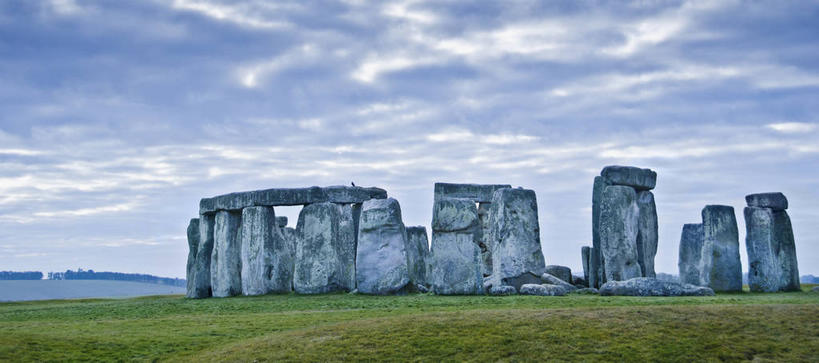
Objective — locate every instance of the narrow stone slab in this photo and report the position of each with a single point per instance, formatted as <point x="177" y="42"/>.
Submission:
<point x="226" y="259"/>
<point x="562" y="272"/>
<point x="646" y="286"/>
<point x="690" y="253"/>
<point x="775" y="201"/>
<point x="281" y="222"/>
<point x="517" y="258"/>
<point x="479" y="193"/>
<point x="771" y="251"/>
<point x="585" y="255"/>
<point x="542" y="290"/>
<point x="483" y="242"/>
<point x="647" y="235"/>
<point x="596" y="263"/>
<point x="267" y="262"/>
<point x="201" y="274"/>
<point x="381" y="257"/>
<point x="290" y="197"/>
<point x="720" y="265"/>
<point x="595" y="277"/>
<point x="325" y="249"/>
<point x="193" y="246"/>
<point x="456" y="264"/>
<point x="417" y="254"/>
<point x="619" y="216"/>
<point x="640" y="179"/>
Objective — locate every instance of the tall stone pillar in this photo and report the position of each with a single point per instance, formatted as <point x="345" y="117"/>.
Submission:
<point x="456" y="263"/>
<point x="517" y="258"/>
<point x="325" y="248"/>
<point x="585" y="256"/>
<point x="618" y="233"/>
<point x="417" y="255"/>
<point x="770" y="244"/>
<point x="647" y="235"/>
<point x="267" y="262"/>
<point x="690" y="253"/>
<point x="720" y="269"/>
<point x="381" y="256"/>
<point x="201" y="275"/>
<point x="193" y="246"/>
<point x="226" y="259"/>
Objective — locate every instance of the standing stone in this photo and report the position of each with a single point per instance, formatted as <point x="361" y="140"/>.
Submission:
<point x="456" y="264"/>
<point x="417" y="255"/>
<point x="267" y="262"/>
<point x="720" y="265"/>
<point x="381" y="258"/>
<point x="771" y="251"/>
<point x="647" y="233"/>
<point x="517" y="258"/>
<point x="594" y="268"/>
<point x="690" y="254"/>
<point x="226" y="259"/>
<point x="484" y="243"/>
<point x="348" y="235"/>
<point x="597" y="270"/>
<point x="619" y="216"/>
<point x="562" y="272"/>
<point x="201" y="274"/>
<point x="193" y="246"/>
<point x="325" y="239"/>
<point x="585" y="255"/>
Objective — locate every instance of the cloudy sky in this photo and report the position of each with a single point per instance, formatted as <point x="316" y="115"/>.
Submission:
<point x="118" y="116"/>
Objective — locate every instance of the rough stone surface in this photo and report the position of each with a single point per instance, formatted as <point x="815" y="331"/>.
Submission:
<point x="647" y="236"/>
<point x="381" y="256"/>
<point x="542" y="290"/>
<point x="281" y="222"/>
<point x="517" y="258"/>
<point x="597" y="274"/>
<point x="775" y="201"/>
<point x="619" y="215"/>
<point x="579" y="281"/>
<point x="456" y="265"/>
<point x="690" y="253"/>
<point x="562" y="272"/>
<point x="646" y="286"/>
<point x="290" y="237"/>
<point x="348" y="236"/>
<point x="502" y="290"/>
<point x="325" y="247"/>
<point x="771" y="251"/>
<point x="267" y="261"/>
<point x="640" y="179"/>
<point x="289" y="196"/>
<point x="483" y="242"/>
<point x="417" y="254"/>
<point x="479" y="193"/>
<point x="586" y="291"/>
<point x="201" y="269"/>
<point x="226" y="259"/>
<point x="550" y="279"/>
<point x="595" y="260"/>
<point x="720" y="265"/>
<point x="585" y="255"/>
<point x="193" y="246"/>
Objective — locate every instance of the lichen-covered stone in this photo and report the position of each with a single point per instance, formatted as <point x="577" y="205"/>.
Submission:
<point x="775" y="201"/>
<point x="646" y="286"/>
<point x="547" y="278"/>
<point x="542" y="290"/>
<point x="502" y="290"/>
<point x="561" y="272"/>
<point x="690" y="253"/>
<point x="619" y="216"/>
<point x="517" y="258"/>
<point x="720" y="265"/>
<point x="267" y="260"/>
<point x="449" y="215"/>
<point x="456" y="265"/>
<point x="226" y="259"/>
<point x="771" y="251"/>
<point x="647" y="236"/>
<point x="201" y="269"/>
<point x="417" y="254"/>
<point x="381" y="257"/>
<point x="193" y="246"/>
<point x="585" y="255"/>
<point x="325" y="247"/>
<point x="640" y="179"/>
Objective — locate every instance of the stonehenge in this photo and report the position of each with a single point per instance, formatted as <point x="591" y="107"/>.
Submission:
<point x="381" y="254"/>
<point x="455" y="253"/>
<point x="709" y="252"/>
<point x="514" y="238"/>
<point x="770" y="244"/>
<point x="267" y="258"/>
<point x="193" y="246"/>
<point x="325" y="249"/>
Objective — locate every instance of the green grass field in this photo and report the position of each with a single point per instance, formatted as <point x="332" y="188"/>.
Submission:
<point x="782" y="327"/>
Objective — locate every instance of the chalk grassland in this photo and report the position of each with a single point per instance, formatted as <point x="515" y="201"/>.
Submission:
<point x="783" y="327"/>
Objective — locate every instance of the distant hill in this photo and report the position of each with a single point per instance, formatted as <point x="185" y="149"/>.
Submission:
<point x="25" y="275"/>
<point x="81" y="274"/>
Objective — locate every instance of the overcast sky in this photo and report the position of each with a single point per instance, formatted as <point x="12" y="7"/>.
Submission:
<point x="116" y="117"/>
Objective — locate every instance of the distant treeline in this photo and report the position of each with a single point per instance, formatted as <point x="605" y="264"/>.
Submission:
<point x="809" y="279"/>
<point x="81" y="274"/>
<point x="25" y="275"/>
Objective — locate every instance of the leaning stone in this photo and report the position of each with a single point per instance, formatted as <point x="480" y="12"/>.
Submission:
<point x="381" y="257"/>
<point x="640" y="179"/>
<point x="478" y="193"/>
<point x="542" y="290"/>
<point x="547" y="278"/>
<point x="281" y="221"/>
<point x="324" y="242"/>
<point x="771" y="251"/>
<point x="720" y="264"/>
<point x="647" y="233"/>
<point x="417" y="254"/>
<point x="562" y="272"/>
<point x="226" y="259"/>
<point x="517" y="258"/>
<point x="267" y="262"/>
<point x="456" y="266"/>
<point x="193" y="246"/>
<point x="646" y="286"/>
<point x="201" y="269"/>
<point x="502" y="290"/>
<point x="586" y="291"/>
<point x="585" y="254"/>
<point x="775" y="201"/>
<point x="619" y="216"/>
<point x="690" y="253"/>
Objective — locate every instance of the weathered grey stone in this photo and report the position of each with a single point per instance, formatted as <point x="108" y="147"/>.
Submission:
<point x="561" y="272"/>
<point x="775" y="201"/>
<point x="720" y="266"/>
<point x="325" y="248"/>
<point x="348" y="235"/>
<point x="585" y="255"/>
<point x="550" y="279"/>
<point x="226" y="259"/>
<point x="417" y="254"/>
<point x="647" y="236"/>
<point x="456" y="265"/>
<point x="640" y="179"/>
<point x="579" y="281"/>
<point x="771" y="251"/>
<point x="619" y="216"/>
<point x="281" y="222"/>
<point x="290" y="237"/>
<point x="595" y="260"/>
<point x="289" y="196"/>
<point x="690" y="253"/>
<point x="381" y="257"/>
<point x="502" y="290"/>
<point x="193" y="246"/>
<point x="517" y="258"/>
<point x="421" y="288"/>
<point x="597" y="276"/>
<point x="483" y="242"/>
<point x="542" y="290"/>
<point x="267" y="260"/>
<point x="586" y="291"/>
<point x="201" y="274"/>
<point x="647" y="286"/>
<point x="479" y="193"/>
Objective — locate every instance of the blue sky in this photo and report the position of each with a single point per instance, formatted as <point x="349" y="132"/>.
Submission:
<point x="117" y="117"/>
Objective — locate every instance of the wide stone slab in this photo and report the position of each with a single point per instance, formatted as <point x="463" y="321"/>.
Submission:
<point x="479" y="193"/>
<point x="290" y="197"/>
<point x="637" y="178"/>
<point x="456" y="263"/>
<point x="267" y="260"/>
<point x="201" y="273"/>
<point x="517" y="258"/>
<point x="720" y="265"/>
<point x="647" y="235"/>
<point x="690" y="253"/>
<point x="417" y="254"/>
<point x="193" y="246"/>
<point x="646" y="286"/>
<point x="619" y="216"/>
<point x="381" y="257"/>
<point x="771" y="251"/>
<point x="226" y="259"/>
<point x="325" y="249"/>
<point x="775" y="201"/>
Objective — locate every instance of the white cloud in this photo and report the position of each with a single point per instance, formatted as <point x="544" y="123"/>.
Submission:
<point x="792" y="127"/>
<point x="238" y="14"/>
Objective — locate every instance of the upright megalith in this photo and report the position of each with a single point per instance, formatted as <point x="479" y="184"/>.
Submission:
<point x="483" y="241"/>
<point x="597" y="274"/>
<point x="201" y="269"/>
<point x="456" y="265"/>
<point x="720" y="265"/>
<point x="226" y="259"/>
<point x="267" y="261"/>
<point x="770" y="244"/>
<point x="619" y="215"/>
<point x="193" y="246"/>
<point x="517" y="258"/>
<point x="381" y="257"/>
<point x="325" y="241"/>
<point x="585" y="255"/>
<point x="647" y="236"/>
<point x="690" y="253"/>
<point x="417" y="255"/>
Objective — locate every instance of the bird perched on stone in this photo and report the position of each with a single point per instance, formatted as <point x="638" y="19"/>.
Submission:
<point x="351" y="183"/>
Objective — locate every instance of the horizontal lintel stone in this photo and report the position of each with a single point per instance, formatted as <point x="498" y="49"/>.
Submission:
<point x="289" y="197"/>
<point x="479" y="193"/>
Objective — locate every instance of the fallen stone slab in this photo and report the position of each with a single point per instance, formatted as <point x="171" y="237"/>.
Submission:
<point x="325" y="248"/>
<point x="550" y="279"/>
<point x="517" y="258"/>
<point x="193" y="246"/>
<point x="775" y="201"/>
<point x="479" y="193"/>
<point x="226" y="259"/>
<point x="417" y="254"/>
<point x="647" y="236"/>
<point x="619" y="216"/>
<point x="542" y="290"/>
<point x="690" y="253"/>
<point x="456" y="264"/>
<point x="561" y="272"/>
<point x="502" y="290"/>
<point x="646" y="286"/>
<point x="721" y="269"/>
<point x="267" y="260"/>
<point x="640" y="179"/>
<point x="201" y="268"/>
<point x="289" y="197"/>
<point x="771" y="251"/>
<point x="381" y="257"/>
